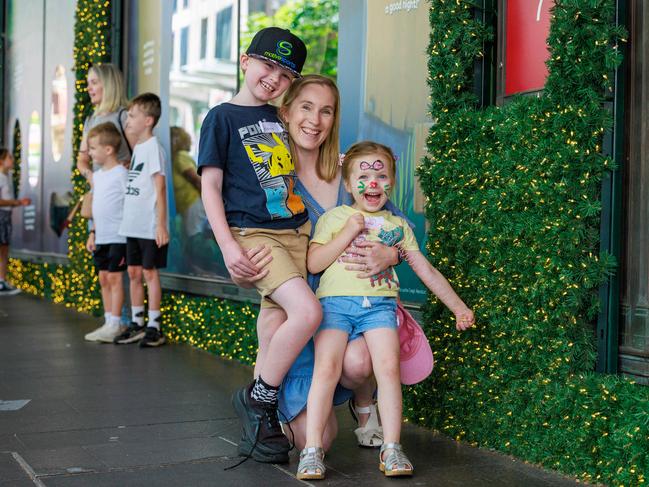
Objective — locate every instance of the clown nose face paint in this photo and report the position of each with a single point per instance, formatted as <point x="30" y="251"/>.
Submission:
<point x="369" y="183"/>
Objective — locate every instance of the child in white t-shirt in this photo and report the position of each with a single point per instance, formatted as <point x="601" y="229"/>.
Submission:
<point x="145" y="221"/>
<point x="107" y="246"/>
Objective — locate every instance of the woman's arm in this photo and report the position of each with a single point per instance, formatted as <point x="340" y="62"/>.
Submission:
<point x="370" y="258"/>
<point x="84" y="164"/>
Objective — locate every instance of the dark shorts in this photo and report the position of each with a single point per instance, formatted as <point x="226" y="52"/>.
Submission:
<point x="146" y="253"/>
<point x="5" y="227"/>
<point x="110" y="257"/>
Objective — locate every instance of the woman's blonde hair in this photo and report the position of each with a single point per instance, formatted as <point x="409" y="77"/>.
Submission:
<point x="327" y="164"/>
<point x="112" y="81"/>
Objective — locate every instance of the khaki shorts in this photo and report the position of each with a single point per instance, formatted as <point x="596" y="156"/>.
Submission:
<point x="288" y="248"/>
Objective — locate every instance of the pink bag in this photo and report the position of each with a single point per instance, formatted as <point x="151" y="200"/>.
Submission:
<point x="416" y="354"/>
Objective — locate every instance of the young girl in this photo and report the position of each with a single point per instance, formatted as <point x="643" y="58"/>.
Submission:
<point x="352" y="306"/>
<point x="7" y="202"/>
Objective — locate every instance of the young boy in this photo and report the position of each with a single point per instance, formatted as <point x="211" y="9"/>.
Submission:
<point x="145" y="221"/>
<point x="108" y="247"/>
<point x="7" y="202"/>
<point x="248" y="178"/>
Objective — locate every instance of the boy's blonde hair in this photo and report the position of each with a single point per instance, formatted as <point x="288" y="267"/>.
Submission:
<point x="180" y="140"/>
<point x="112" y="83"/>
<point x="366" y="148"/>
<point x="149" y="103"/>
<point x="107" y="135"/>
<point x="327" y="165"/>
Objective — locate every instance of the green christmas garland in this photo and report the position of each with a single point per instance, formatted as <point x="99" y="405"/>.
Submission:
<point x="17" y="154"/>
<point x="513" y="198"/>
<point x="514" y="202"/>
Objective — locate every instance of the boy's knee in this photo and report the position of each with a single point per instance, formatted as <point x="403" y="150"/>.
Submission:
<point x="115" y="278"/>
<point x="150" y="274"/>
<point x="134" y="272"/>
<point x="103" y="279"/>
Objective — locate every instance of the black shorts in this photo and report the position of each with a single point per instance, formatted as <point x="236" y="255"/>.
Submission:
<point x="5" y="227"/>
<point x="110" y="257"/>
<point x="146" y="253"/>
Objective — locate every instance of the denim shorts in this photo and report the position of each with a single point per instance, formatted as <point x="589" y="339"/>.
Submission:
<point x="347" y="313"/>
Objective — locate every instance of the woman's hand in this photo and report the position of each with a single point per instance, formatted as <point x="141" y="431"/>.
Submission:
<point x="369" y="258"/>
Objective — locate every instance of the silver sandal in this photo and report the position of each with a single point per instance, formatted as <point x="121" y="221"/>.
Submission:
<point x="311" y="466"/>
<point x="370" y="435"/>
<point x="396" y="462"/>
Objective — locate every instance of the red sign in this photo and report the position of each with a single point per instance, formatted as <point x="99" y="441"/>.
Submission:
<point x="526" y="49"/>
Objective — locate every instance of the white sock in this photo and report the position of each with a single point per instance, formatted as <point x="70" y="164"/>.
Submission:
<point x="154" y="319"/>
<point x="107" y="317"/>
<point x="114" y="321"/>
<point x="137" y="313"/>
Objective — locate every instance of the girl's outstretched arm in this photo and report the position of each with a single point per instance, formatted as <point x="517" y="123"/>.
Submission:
<point x="437" y="283"/>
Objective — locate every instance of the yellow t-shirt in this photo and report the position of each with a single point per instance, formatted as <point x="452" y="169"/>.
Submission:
<point x="381" y="226"/>
<point x="184" y="191"/>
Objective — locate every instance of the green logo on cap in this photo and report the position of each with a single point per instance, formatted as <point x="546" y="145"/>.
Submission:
<point x="284" y="48"/>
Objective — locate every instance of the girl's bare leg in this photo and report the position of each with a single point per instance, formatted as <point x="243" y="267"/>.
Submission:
<point x="330" y="347"/>
<point x="383" y="344"/>
<point x="358" y="376"/>
<point x="298" y="429"/>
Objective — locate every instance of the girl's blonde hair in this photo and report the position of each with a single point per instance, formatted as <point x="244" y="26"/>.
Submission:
<point x="366" y="148"/>
<point x="327" y="164"/>
<point x="112" y="81"/>
<point x="180" y="140"/>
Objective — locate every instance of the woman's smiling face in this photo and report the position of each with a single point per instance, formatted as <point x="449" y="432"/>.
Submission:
<point x="310" y="116"/>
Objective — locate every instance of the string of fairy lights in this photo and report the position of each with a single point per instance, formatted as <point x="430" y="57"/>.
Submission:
<point x="513" y="201"/>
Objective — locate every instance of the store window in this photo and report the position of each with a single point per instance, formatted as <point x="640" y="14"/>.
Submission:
<point x="208" y="76"/>
<point x="184" y="46"/>
<point x="634" y="323"/>
<point x="58" y="114"/>
<point x="203" y="38"/>
<point x="523" y="29"/>
<point x="224" y="34"/>
<point x="34" y="139"/>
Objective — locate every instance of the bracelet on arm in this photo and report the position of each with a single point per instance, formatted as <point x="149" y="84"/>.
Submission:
<point x="401" y="254"/>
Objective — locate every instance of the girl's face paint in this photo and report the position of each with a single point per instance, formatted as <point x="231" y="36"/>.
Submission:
<point x="369" y="183"/>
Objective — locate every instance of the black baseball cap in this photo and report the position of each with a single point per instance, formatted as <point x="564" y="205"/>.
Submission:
<point x="279" y="46"/>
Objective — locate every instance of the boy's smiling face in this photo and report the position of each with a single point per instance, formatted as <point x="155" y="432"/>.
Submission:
<point x="369" y="182"/>
<point x="263" y="79"/>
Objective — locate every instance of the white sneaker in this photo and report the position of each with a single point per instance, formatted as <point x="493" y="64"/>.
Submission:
<point x="95" y="334"/>
<point x="107" y="333"/>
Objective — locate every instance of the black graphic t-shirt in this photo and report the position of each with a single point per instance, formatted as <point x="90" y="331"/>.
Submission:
<point x="251" y="145"/>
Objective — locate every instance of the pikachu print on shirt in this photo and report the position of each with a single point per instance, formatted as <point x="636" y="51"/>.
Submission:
<point x="266" y="144"/>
